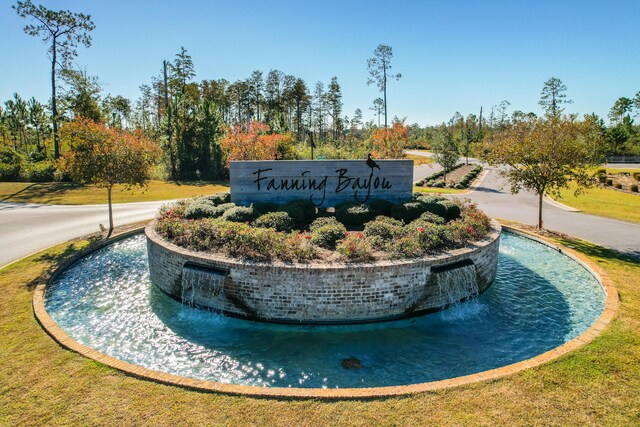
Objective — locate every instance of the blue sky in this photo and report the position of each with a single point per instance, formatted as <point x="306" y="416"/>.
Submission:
<point x="453" y="56"/>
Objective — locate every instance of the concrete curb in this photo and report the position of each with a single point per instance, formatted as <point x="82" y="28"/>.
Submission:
<point x="559" y="205"/>
<point x="611" y="305"/>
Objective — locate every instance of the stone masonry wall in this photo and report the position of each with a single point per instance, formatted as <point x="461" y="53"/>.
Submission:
<point x="316" y="293"/>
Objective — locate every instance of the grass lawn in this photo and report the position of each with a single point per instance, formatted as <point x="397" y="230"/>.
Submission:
<point x="43" y="384"/>
<point x="604" y="202"/>
<point x="56" y="193"/>
<point x="418" y="160"/>
<point x="435" y="190"/>
<point x="615" y="170"/>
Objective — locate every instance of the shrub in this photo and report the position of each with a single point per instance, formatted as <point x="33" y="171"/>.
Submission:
<point x="408" y="211"/>
<point x="382" y="230"/>
<point x="11" y="163"/>
<point x="353" y="214"/>
<point x="218" y="198"/>
<point x="355" y="247"/>
<point x="404" y="247"/>
<point x="609" y="181"/>
<point x="428" y="199"/>
<point x="301" y="211"/>
<point x="433" y="218"/>
<point x="203" y="208"/>
<point x="436" y="208"/>
<point x="38" y="172"/>
<point x="636" y="176"/>
<point x="618" y="185"/>
<point x="200" y="209"/>
<point x="429" y="236"/>
<point x="298" y="247"/>
<point x="279" y="221"/>
<point x="439" y="184"/>
<point x="601" y="171"/>
<point x="381" y="207"/>
<point x="239" y="214"/>
<point x="322" y="221"/>
<point x="326" y="236"/>
<point x="602" y="178"/>
<point x="261" y="208"/>
<point x="460" y="186"/>
<point x="634" y="188"/>
<point x="452" y="210"/>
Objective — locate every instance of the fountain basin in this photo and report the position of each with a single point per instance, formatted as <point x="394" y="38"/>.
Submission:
<point x="323" y="293"/>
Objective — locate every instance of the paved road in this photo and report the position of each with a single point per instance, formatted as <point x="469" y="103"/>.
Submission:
<point x="25" y="229"/>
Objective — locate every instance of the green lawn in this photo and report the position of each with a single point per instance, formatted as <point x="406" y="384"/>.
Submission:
<point x="604" y="202"/>
<point x="56" y="193"/>
<point x="43" y="384"/>
<point x="419" y="160"/>
<point x="435" y="190"/>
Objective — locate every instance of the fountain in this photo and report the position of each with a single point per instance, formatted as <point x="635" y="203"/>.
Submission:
<point x="185" y="317"/>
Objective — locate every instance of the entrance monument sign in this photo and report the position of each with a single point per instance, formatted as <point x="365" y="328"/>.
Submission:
<point x="326" y="183"/>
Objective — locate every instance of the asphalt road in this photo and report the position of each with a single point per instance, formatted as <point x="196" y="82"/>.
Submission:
<point x="27" y="228"/>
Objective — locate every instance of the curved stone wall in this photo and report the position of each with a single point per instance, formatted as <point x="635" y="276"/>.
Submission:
<point x="322" y="293"/>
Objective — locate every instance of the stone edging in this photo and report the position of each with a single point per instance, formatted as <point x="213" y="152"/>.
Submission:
<point x="611" y="305"/>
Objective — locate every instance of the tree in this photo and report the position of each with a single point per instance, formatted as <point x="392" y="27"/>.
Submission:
<point x="445" y="150"/>
<point x="378" y="108"/>
<point x="388" y="143"/>
<point x="254" y="142"/>
<point x="620" y="109"/>
<point x="106" y="156"/>
<point x="82" y="95"/>
<point x="334" y="106"/>
<point x="552" y="97"/>
<point x="64" y="30"/>
<point x="544" y="155"/>
<point x="379" y="67"/>
<point x="256" y="86"/>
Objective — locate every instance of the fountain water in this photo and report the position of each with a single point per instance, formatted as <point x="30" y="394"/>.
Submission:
<point x="198" y="281"/>
<point x="456" y="282"/>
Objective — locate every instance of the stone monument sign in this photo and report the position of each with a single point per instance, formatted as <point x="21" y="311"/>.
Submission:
<point x="326" y="183"/>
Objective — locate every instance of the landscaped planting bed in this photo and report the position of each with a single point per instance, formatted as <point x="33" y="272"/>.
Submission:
<point x="298" y="232"/>
<point x="460" y="177"/>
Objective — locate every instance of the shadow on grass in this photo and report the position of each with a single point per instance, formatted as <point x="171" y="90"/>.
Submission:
<point x="47" y="191"/>
<point x="591" y="250"/>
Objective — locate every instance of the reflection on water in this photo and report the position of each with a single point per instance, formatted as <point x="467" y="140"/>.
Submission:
<point x="539" y="300"/>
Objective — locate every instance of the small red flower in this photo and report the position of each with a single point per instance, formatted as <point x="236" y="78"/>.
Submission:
<point x="359" y="235"/>
<point x="420" y="229"/>
<point x="307" y="237"/>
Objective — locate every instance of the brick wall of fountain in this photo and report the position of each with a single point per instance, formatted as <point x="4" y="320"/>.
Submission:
<point x="322" y="293"/>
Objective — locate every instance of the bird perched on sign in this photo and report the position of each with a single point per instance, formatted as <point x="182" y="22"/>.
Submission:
<point x="371" y="163"/>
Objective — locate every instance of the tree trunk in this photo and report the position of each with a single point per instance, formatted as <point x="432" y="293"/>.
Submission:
<point x="540" y="196"/>
<point x="110" y="212"/>
<point x="54" y="106"/>
<point x="384" y="85"/>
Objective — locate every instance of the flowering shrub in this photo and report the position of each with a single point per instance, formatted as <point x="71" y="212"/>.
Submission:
<point x="355" y="247"/>
<point x="404" y="247"/>
<point x="408" y="211"/>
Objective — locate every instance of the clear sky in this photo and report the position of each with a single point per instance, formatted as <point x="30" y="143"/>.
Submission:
<point x="453" y="55"/>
